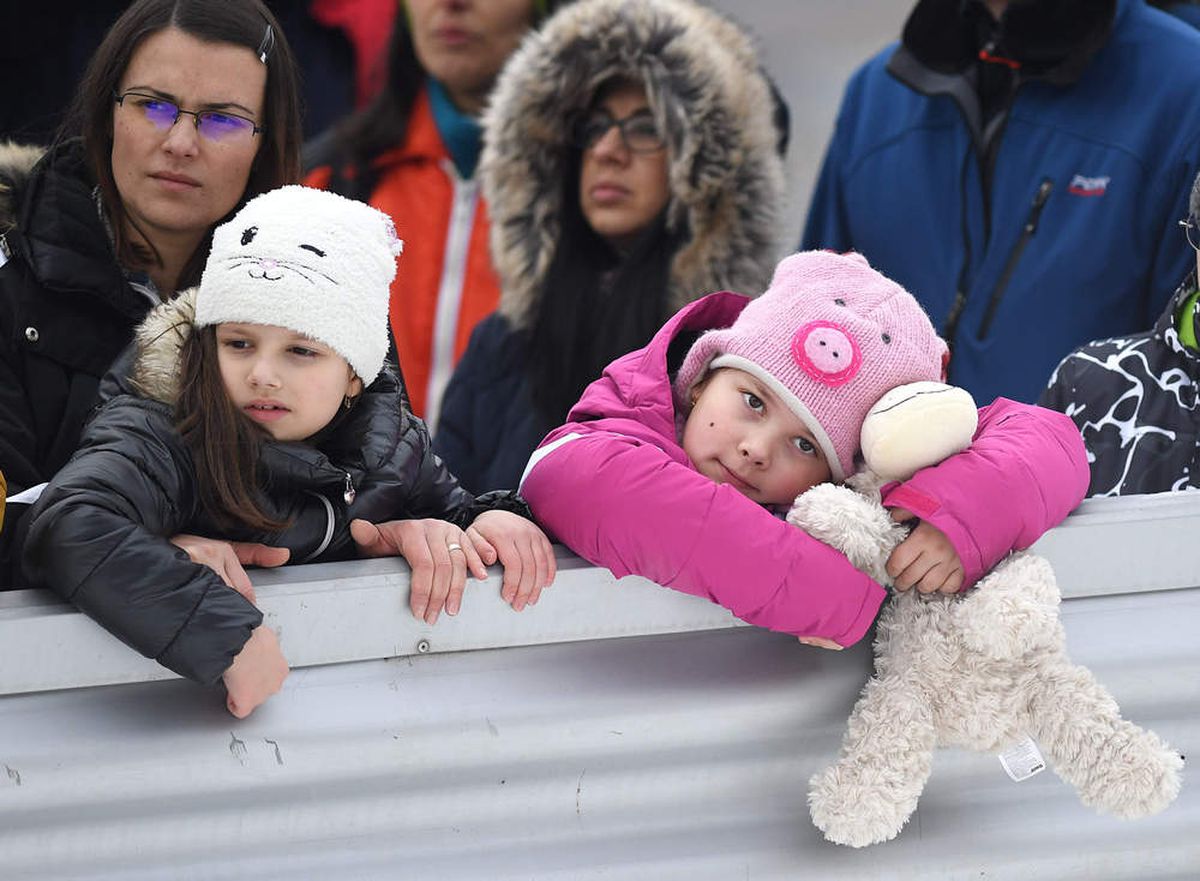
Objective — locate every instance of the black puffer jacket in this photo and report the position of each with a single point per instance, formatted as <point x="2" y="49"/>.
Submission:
<point x="1135" y="401"/>
<point x="98" y="535"/>
<point x="66" y="311"/>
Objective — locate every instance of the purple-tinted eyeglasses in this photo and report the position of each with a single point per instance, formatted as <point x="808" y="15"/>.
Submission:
<point x="219" y="126"/>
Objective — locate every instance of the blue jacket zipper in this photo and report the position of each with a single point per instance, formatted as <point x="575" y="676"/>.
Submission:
<point x="1031" y="224"/>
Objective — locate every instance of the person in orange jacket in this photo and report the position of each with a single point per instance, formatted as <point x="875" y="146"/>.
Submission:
<point x="412" y="153"/>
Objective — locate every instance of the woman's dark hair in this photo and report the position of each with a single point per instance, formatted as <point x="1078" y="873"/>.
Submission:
<point x="382" y="125"/>
<point x="223" y="442"/>
<point x="594" y="305"/>
<point x="240" y="22"/>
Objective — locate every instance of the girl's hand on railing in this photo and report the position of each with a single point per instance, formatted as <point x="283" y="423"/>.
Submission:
<point x="439" y="553"/>
<point x="521" y="548"/>
<point x="228" y="558"/>
<point x="256" y="673"/>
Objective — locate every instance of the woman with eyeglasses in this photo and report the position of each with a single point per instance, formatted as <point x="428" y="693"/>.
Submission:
<point x="631" y="163"/>
<point x="412" y="153"/>
<point x="188" y="108"/>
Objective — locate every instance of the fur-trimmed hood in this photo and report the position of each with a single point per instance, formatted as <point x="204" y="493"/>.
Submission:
<point x="16" y="162"/>
<point x="158" y="342"/>
<point x="706" y="90"/>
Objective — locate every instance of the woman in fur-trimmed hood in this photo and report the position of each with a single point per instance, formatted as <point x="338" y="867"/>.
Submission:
<point x="578" y="292"/>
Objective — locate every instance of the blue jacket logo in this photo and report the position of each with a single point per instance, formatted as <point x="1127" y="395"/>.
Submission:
<point x="1088" y="186"/>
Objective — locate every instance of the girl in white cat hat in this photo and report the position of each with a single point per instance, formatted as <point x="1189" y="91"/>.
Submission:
<point x="259" y="408"/>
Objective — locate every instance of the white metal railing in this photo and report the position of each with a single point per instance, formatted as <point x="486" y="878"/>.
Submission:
<point x="354" y="611"/>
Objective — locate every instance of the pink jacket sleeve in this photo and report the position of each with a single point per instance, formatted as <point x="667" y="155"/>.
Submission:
<point x="1025" y="470"/>
<point x="625" y="504"/>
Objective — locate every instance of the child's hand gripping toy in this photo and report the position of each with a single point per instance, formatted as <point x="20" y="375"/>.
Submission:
<point x="979" y="670"/>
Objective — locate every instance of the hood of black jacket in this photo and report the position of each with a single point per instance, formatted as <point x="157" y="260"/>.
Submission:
<point x="60" y="235"/>
<point x="16" y="163"/>
<point x="1051" y="39"/>
<point x="1167" y="329"/>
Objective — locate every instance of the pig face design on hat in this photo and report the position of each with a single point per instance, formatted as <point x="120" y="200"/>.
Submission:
<point x="827" y="352"/>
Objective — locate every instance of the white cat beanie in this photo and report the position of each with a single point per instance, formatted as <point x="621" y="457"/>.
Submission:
<point x="309" y="260"/>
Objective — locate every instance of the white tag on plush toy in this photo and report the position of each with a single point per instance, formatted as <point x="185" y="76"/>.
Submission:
<point x="1022" y="760"/>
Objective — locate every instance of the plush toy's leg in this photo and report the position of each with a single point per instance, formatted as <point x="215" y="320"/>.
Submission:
<point x="1022" y="593"/>
<point x="1117" y="767"/>
<point x="872" y="789"/>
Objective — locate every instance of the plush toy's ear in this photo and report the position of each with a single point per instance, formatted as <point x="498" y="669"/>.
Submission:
<point x="917" y="425"/>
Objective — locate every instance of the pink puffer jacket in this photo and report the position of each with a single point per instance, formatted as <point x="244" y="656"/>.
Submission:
<point x="615" y="486"/>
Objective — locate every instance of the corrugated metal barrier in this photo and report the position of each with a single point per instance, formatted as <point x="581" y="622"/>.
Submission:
<point x="555" y="749"/>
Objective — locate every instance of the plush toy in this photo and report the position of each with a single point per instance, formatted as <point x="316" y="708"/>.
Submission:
<point x="979" y="670"/>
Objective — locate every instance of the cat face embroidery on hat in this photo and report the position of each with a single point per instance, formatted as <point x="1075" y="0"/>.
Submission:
<point x="314" y="250"/>
<point x="309" y="260"/>
<point x="277" y="266"/>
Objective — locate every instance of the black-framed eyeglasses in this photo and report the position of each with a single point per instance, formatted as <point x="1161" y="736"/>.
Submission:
<point x="218" y="126"/>
<point x="1192" y="231"/>
<point x="639" y="132"/>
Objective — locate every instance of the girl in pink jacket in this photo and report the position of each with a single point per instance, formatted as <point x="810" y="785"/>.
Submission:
<point x="676" y="464"/>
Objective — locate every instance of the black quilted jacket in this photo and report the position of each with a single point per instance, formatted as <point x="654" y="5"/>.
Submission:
<point x="66" y="311"/>
<point x="98" y="534"/>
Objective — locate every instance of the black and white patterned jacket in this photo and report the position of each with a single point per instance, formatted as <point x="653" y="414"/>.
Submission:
<point x="1134" y="399"/>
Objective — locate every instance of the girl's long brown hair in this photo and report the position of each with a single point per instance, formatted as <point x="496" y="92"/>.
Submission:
<point x="224" y="443"/>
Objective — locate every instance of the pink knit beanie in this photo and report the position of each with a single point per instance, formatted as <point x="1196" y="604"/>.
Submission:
<point x="829" y="337"/>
